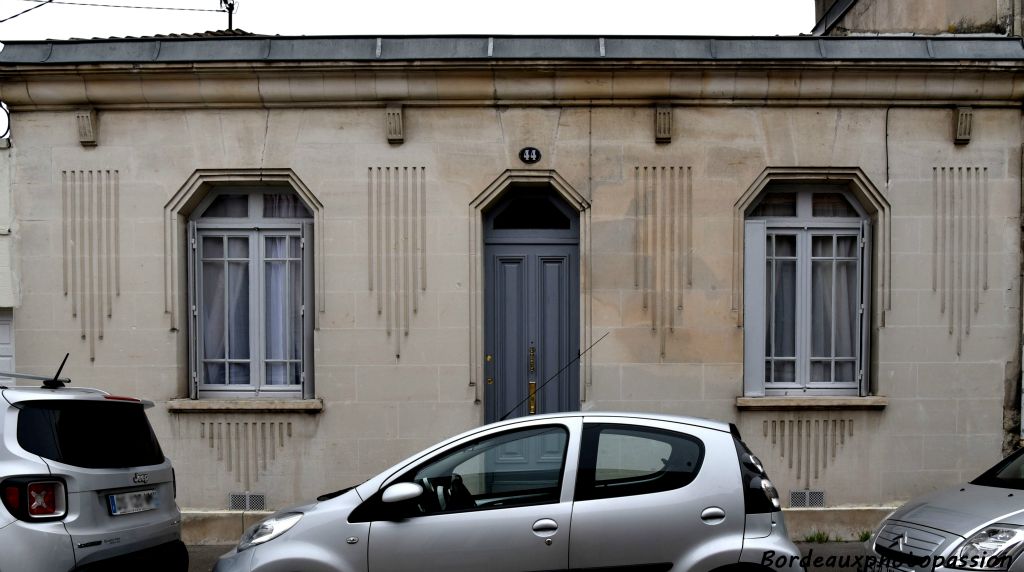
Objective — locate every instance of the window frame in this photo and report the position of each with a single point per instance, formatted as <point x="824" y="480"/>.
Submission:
<point x="374" y="509"/>
<point x="257" y="228"/>
<point x="586" y="472"/>
<point x="804" y="226"/>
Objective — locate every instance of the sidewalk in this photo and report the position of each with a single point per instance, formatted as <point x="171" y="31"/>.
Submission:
<point x="202" y="558"/>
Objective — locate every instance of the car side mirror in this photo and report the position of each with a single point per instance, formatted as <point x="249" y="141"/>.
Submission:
<point x="399" y="492"/>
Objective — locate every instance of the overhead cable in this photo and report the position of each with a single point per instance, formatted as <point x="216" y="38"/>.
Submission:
<point x="42" y="3"/>
<point x="93" y="5"/>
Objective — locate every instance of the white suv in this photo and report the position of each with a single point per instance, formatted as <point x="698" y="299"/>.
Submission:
<point x="84" y="484"/>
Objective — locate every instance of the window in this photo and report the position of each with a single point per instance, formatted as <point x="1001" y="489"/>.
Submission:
<point x="250" y="287"/>
<point x="90" y="434"/>
<point x="516" y="468"/>
<point x="623" y="460"/>
<point x="805" y="285"/>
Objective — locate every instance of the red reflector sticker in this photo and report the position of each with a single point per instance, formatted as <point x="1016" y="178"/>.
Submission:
<point x="12" y="498"/>
<point x="42" y="499"/>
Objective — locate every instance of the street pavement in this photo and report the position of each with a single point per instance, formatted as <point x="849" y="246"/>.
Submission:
<point x="202" y="558"/>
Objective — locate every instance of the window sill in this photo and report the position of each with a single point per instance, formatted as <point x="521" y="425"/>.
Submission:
<point x="245" y="405"/>
<point x="788" y="403"/>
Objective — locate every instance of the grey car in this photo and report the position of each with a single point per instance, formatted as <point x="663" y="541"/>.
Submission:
<point x="974" y="526"/>
<point x="84" y="485"/>
<point x="577" y="491"/>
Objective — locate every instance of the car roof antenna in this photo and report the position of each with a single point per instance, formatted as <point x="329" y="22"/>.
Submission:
<point x="55" y="382"/>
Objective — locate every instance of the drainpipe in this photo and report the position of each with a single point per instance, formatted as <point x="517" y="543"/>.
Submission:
<point x="1012" y="400"/>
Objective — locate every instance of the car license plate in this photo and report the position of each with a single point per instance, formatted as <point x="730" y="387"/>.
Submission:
<point x="135" y="501"/>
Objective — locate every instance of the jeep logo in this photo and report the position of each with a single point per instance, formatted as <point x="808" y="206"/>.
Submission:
<point x="140" y="478"/>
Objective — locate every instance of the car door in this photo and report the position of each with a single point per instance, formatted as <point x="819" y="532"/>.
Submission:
<point x="500" y="502"/>
<point x="654" y="495"/>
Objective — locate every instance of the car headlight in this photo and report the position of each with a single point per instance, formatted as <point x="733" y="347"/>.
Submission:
<point x="994" y="548"/>
<point x="268" y="530"/>
<point x="881" y="525"/>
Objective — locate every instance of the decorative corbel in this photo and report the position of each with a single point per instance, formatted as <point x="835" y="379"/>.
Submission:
<point x="88" y="127"/>
<point x="393" y="124"/>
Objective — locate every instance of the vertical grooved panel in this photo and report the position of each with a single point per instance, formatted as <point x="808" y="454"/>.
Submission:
<point x="636" y="223"/>
<point x="960" y="245"/>
<point x="90" y="247"/>
<point x="811" y="446"/>
<point x="396" y="243"/>
<point x="662" y="243"/>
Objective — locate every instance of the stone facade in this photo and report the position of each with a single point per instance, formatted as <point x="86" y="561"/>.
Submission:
<point x="935" y="413"/>
<point x="919" y="16"/>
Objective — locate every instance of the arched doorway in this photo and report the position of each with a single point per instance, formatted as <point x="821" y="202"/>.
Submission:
<point x="531" y="303"/>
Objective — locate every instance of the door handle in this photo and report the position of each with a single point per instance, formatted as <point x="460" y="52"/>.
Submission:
<point x="533" y="383"/>
<point x="545" y="527"/>
<point x="712" y="515"/>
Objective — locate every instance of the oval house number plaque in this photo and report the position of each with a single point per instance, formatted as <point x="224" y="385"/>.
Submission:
<point x="529" y="155"/>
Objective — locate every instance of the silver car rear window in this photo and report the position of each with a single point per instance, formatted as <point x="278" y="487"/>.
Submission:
<point x="89" y="434"/>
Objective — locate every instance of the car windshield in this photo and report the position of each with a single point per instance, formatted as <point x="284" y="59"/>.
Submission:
<point x="1007" y="474"/>
<point x="90" y="434"/>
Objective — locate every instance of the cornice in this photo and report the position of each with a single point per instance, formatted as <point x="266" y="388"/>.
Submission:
<point x="313" y="84"/>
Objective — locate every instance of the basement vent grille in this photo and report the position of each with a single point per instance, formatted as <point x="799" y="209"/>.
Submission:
<point x="807" y="498"/>
<point x="247" y="501"/>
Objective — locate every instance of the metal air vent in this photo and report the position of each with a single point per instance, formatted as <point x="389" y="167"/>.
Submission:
<point x="807" y="498"/>
<point x="247" y="501"/>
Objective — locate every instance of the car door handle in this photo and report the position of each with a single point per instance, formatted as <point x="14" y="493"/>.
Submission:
<point x="712" y="515"/>
<point x="545" y="525"/>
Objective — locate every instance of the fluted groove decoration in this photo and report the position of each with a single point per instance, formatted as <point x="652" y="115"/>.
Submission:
<point x="396" y="199"/>
<point x="663" y="243"/>
<point x="91" y="247"/>
<point x="959" y="244"/>
<point x="246" y="448"/>
<point x="808" y="445"/>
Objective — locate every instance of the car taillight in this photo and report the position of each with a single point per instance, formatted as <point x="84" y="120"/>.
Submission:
<point x="759" y="494"/>
<point x="35" y="498"/>
<point x="42" y="498"/>
<point x="12" y="498"/>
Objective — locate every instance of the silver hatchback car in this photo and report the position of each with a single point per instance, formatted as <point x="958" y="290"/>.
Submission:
<point x="84" y="485"/>
<point x="974" y="526"/>
<point x="578" y="491"/>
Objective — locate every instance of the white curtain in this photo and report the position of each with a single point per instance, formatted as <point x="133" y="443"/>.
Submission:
<point x="833" y="308"/>
<point x="225" y="283"/>
<point x="283" y="296"/>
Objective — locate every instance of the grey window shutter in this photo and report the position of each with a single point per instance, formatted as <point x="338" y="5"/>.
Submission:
<point x="864" y="362"/>
<point x="192" y="332"/>
<point x="754" y="328"/>
<point x="308" y="311"/>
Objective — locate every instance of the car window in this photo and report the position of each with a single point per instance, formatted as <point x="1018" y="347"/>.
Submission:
<point x="510" y="469"/>
<point x="623" y="460"/>
<point x="1007" y="474"/>
<point x="89" y="434"/>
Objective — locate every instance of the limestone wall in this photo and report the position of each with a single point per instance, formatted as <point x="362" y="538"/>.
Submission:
<point x="928" y="16"/>
<point x="943" y="421"/>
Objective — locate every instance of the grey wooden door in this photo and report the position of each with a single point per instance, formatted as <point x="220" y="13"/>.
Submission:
<point x="532" y="313"/>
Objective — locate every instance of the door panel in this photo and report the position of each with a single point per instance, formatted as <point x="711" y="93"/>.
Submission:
<point x="637" y="509"/>
<point x="532" y="328"/>
<point x="501" y="540"/>
<point x="510" y="285"/>
<point x="554" y="316"/>
<point x="498" y="503"/>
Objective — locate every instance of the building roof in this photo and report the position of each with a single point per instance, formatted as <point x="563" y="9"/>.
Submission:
<point x="249" y="48"/>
